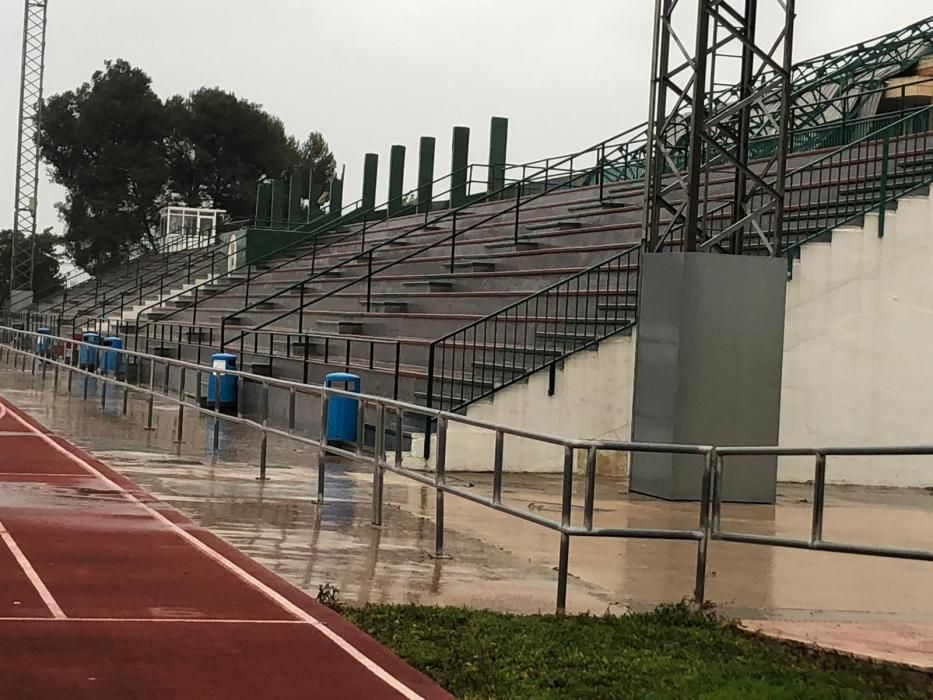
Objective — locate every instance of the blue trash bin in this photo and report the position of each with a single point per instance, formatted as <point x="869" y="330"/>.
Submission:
<point x="227" y="396"/>
<point x="44" y="343"/>
<point x="342" y="411"/>
<point x="87" y="356"/>
<point x="114" y="363"/>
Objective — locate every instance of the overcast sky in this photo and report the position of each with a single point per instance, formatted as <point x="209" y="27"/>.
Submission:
<point x="371" y="73"/>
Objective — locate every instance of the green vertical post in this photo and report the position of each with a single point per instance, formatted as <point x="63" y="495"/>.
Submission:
<point x="278" y="202"/>
<point x="370" y="173"/>
<point x="294" y="197"/>
<point x="425" y="173"/>
<point x="883" y="206"/>
<point x="498" y="146"/>
<point x="459" y="159"/>
<point x="263" y="203"/>
<point x="336" y="196"/>
<point x="396" y="179"/>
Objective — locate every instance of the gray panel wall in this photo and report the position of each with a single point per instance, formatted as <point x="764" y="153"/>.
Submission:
<point x="708" y="370"/>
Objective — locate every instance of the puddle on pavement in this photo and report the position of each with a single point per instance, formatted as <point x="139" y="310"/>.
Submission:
<point x="496" y="561"/>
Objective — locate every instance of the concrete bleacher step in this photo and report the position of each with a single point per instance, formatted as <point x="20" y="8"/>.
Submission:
<point x="386" y="305"/>
<point x="558" y="225"/>
<point x="341" y="327"/>
<point x="513" y="245"/>
<point x="471" y="266"/>
<point x="429" y="285"/>
<point x="296" y="347"/>
<point x="604" y="204"/>
<point x="498" y="368"/>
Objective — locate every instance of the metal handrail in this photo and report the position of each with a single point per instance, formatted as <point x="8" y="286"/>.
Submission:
<point x="21" y="345"/>
<point x="135" y="288"/>
<point x="187" y="332"/>
<point x="886" y="191"/>
<point x="351" y="218"/>
<point x="513" y="209"/>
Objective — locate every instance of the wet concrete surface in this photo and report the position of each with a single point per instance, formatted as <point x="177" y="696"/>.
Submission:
<point x="497" y="561"/>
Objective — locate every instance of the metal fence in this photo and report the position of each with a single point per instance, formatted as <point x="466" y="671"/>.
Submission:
<point x="33" y="352"/>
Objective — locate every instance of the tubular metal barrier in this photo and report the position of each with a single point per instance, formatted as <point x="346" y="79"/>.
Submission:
<point x="18" y="348"/>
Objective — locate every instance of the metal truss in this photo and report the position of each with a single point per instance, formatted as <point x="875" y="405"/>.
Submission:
<point x="27" y="159"/>
<point x="694" y="124"/>
<point x="846" y="83"/>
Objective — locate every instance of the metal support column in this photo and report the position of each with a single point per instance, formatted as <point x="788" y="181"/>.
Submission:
<point x="696" y="123"/>
<point x="22" y="253"/>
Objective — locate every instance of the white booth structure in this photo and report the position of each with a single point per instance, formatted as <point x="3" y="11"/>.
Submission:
<point x="184" y="228"/>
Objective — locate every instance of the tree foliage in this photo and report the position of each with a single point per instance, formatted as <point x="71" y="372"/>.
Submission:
<point x="122" y="154"/>
<point x="47" y="278"/>
<point x="315" y="158"/>
<point x="104" y="144"/>
<point x="219" y="145"/>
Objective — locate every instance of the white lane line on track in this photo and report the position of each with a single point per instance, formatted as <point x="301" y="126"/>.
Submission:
<point x="31" y="574"/>
<point x="154" y="620"/>
<point x="71" y="474"/>
<point x="243" y="575"/>
<point x="25" y="564"/>
<point x="13" y="433"/>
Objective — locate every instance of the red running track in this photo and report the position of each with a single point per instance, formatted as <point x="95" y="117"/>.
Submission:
<point x="107" y="593"/>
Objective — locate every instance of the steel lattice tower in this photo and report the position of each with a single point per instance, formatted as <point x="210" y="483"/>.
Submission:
<point x="27" y="158"/>
<point x="694" y="124"/>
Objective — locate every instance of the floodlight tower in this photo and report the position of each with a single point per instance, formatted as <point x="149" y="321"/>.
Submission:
<point x="27" y="157"/>
<point x="696" y="122"/>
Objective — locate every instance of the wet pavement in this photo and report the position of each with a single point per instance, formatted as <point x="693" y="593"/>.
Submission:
<point x="496" y="561"/>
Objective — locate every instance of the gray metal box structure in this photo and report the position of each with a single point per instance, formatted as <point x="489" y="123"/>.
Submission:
<point x="708" y="370"/>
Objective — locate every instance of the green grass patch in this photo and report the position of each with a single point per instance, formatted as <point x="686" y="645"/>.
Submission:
<point x="672" y="652"/>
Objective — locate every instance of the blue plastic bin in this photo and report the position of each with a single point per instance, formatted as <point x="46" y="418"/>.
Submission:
<point x="44" y="344"/>
<point x="227" y="398"/>
<point x="342" y="411"/>
<point x="114" y="363"/>
<point x="87" y="356"/>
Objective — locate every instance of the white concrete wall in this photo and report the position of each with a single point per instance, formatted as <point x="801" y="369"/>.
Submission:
<point x="858" y="367"/>
<point x="858" y="348"/>
<point x="593" y="400"/>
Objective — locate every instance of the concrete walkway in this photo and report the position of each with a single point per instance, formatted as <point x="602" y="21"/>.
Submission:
<point x="882" y="606"/>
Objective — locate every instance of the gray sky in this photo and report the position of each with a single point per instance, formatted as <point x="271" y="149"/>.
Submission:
<point x="371" y="73"/>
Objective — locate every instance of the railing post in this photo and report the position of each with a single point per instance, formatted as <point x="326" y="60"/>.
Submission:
<point x="563" y="564"/>
<point x="699" y="588"/>
<point x="322" y="452"/>
<point x="518" y="205"/>
<point x="453" y="241"/>
<point x="601" y="174"/>
<point x="819" y="492"/>
<point x="369" y="282"/>
<point x="440" y="480"/>
<point x="179" y="428"/>
<point x="430" y="401"/>
<point x="589" y="489"/>
<point x="378" y="459"/>
<point x="497" y="467"/>
<point x="264" y="443"/>
<point x="150" y="407"/>
<point x="301" y="309"/>
<point x="882" y="207"/>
